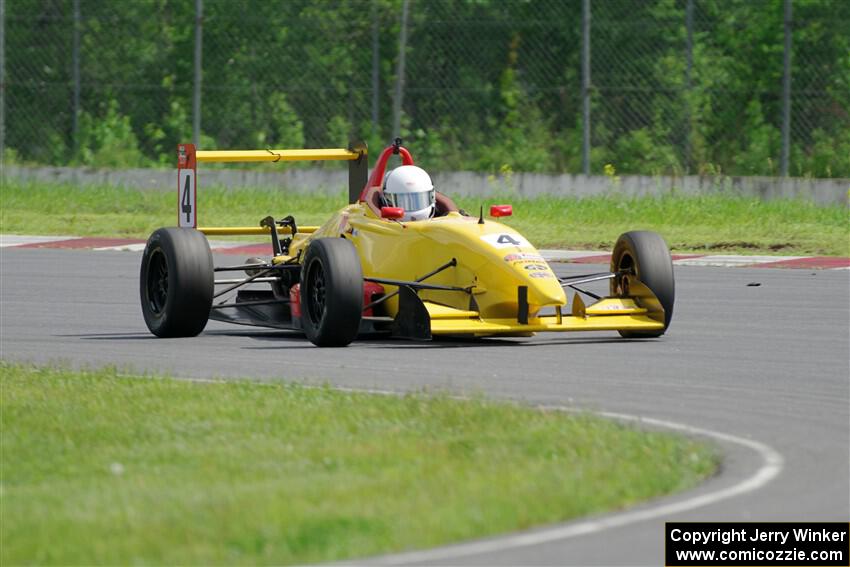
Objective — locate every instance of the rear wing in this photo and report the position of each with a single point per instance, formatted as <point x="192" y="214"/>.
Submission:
<point x="187" y="170"/>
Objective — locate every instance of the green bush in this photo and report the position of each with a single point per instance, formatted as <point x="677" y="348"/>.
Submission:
<point x="640" y="152"/>
<point x="827" y="156"/>
<point x="287" y="129"/>
<point x="759" y="150"/>
<point x="108" y="140"/>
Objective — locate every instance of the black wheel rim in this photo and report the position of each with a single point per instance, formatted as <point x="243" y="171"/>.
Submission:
<point x="316" y="292"/>
<point x="157" y="282"/>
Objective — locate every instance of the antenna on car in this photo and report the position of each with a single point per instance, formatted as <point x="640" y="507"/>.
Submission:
<point x="481" y="215"/>
<point x="396" y="146"/>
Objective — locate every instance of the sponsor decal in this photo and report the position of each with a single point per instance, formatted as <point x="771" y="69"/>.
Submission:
<point x="524" y="257"/>
<point x="505" y="240"/>
<point x="541" y="275"/>
<point x="532" y="267"/>
<point x="613" y="307"/>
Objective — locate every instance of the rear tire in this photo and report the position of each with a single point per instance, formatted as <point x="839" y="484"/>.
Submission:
<point x="645" y="255"/>
<point x="176" y="282"/>
<point x="331" y="292"/>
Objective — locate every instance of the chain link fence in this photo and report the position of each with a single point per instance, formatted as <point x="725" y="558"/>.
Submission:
<point x="674" y="86"/>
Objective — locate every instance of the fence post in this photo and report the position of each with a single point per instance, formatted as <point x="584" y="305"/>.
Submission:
<point x="689" y="64"/>
<point x="376" y="66"/>
<point x="399" y="80"/>
<point x="75" y="110"/>
<point x="585" y="86"/>
<point x="196" y="98"/>
<point x="786" y="94"/>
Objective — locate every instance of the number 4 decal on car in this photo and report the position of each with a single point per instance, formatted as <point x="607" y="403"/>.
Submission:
<point x="504" y="240"/>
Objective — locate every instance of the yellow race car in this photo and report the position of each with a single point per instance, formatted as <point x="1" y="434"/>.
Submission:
<point x="370" y="270"/>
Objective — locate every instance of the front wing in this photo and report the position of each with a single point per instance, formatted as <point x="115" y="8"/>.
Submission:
<point x="641" y="311"/>
<point x="608" y="314"/>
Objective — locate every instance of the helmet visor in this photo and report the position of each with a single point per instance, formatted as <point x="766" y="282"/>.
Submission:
<point x="411" y="201"/>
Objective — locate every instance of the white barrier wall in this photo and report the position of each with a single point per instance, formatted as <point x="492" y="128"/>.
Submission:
<point x="821" y="191"/>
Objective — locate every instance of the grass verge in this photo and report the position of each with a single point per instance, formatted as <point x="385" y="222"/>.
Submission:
<point x="98" y="468"/>
<point x="715" y="223"/>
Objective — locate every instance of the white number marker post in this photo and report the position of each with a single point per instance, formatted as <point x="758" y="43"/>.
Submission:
<point x="187" y="186"/>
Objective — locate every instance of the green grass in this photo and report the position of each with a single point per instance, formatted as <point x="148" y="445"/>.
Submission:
<point x="27" y="208"/>
<point x="708" y="223"/>
<point x="714" y="223"/>
<point x="100" y="468"/>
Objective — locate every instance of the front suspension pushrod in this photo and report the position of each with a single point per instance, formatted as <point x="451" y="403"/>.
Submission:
<point x="450" y="264"/>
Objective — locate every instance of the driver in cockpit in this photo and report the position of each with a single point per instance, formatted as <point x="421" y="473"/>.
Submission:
<point x="410" y="188"/>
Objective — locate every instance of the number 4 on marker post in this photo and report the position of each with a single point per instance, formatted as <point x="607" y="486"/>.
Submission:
<point x="187" y="188"/>
<point x="186" y="202"/>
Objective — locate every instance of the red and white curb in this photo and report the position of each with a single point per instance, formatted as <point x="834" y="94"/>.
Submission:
<point x="571" y="256"/>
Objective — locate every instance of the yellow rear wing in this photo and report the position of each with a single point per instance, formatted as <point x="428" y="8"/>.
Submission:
<point x="188" y="158"/>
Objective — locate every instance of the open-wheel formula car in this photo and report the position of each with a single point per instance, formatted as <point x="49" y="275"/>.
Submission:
<point x="367" y="270"/>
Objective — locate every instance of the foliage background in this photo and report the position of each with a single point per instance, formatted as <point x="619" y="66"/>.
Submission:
<point x="491" y="85"/>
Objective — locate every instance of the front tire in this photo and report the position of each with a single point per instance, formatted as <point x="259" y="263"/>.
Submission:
<point x="176" y="282"/>
<point x="645" y="255"/>
<point x="331" y="292"/>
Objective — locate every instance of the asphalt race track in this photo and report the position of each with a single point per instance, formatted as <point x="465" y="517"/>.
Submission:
<point x="768" y="364"/>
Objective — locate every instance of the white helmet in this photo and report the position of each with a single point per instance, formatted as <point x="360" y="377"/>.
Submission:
<point x="410" y="188"/>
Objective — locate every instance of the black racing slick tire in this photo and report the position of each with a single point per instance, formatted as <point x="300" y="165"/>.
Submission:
<point x="176" y="282"/>
<point x="331" y="292"/>
<point x="645" y="255"/>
